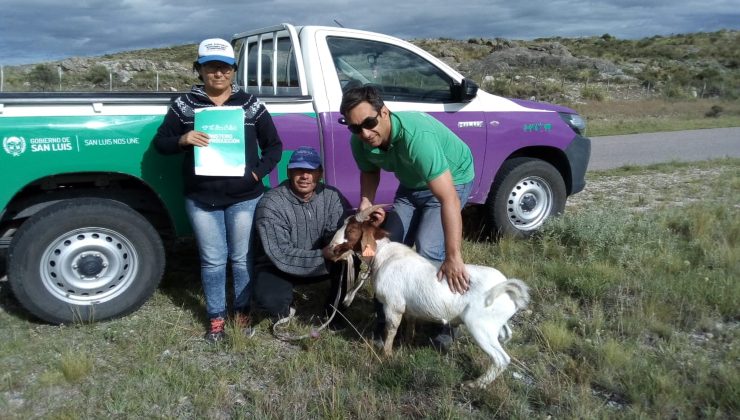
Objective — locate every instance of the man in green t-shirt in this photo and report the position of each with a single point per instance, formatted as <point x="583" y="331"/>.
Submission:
<point x="434" y="168"/>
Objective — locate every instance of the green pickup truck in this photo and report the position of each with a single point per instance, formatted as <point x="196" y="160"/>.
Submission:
<point x="87" y="203"/>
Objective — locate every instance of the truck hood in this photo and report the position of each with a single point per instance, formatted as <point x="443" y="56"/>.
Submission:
<point x="543" y="105"/>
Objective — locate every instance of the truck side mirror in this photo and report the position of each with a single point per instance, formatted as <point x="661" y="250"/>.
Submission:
<point x="464" y="91"/>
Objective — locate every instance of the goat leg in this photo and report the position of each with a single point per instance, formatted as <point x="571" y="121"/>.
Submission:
<point x="392" y="321"/>
<point x="484" y="380"/>
<point x="482" y="330"/>
<point x="409" y="329"/>
<point x="504" y="334"/>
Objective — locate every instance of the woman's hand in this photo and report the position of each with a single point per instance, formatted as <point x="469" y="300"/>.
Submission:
<point x="193" y="138"/>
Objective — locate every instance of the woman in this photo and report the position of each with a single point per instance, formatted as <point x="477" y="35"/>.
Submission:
<point x="221" y="208"/>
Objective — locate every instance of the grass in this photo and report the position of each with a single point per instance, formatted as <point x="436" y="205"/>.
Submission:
<point x="606" y="118"/>
<point x="635" y="314"/>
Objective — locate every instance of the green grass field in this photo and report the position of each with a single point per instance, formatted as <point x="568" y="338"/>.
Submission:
<point x="634" y="314"/>
<point x="606" y="118"/>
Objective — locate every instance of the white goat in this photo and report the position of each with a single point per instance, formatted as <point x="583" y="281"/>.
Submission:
<point x="406" y="283"/>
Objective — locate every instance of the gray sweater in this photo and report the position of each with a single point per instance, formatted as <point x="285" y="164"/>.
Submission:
<point x="293" y="232"/>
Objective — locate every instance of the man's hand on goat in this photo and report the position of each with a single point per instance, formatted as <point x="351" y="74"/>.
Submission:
<point x="332" y="254"/>
<point x="457" y="276"/>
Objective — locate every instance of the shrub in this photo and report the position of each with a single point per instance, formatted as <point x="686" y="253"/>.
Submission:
<point x="526" y="89"/>
<point x="98" y="75"/>
<point x="714" y="111"/>
<point x="593" y="93"/>
<point x="42" y="77"/>
<point x="674" y="92"/>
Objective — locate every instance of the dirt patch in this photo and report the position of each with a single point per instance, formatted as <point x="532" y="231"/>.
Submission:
<point x="653" y="189"/>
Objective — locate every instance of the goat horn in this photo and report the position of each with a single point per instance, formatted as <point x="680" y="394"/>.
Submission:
<point x="363" y="215"/>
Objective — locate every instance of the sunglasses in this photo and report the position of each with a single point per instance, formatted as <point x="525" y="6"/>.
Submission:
<point x="367" y="124"/>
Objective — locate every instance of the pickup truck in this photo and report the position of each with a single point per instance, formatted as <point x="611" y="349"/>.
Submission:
<point x="87" y="203"/>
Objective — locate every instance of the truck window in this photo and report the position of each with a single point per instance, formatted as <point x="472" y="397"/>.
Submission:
<point x="270" y="66"/>
<point x="398" y="73"/>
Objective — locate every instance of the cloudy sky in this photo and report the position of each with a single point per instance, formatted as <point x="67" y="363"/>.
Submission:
<point x="34" y="31"/>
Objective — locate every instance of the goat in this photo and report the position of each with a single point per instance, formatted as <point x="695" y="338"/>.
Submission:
<point x="406" y="283"/>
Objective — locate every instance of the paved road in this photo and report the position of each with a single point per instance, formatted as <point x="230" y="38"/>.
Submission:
<point x="643" y="149"/>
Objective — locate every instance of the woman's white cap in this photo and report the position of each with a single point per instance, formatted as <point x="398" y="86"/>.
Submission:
<point x="215" y="49"/>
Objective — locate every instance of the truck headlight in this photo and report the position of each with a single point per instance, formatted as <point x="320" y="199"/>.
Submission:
<point x="575" y="121"/>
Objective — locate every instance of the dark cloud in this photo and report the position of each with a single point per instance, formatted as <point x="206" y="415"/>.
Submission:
<point x="35" y="31"/>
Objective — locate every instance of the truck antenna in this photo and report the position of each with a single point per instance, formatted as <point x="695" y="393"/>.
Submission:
<point x="337" y="22"/>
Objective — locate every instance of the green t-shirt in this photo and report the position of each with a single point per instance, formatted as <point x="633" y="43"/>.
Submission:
<point x="421" y="149"/>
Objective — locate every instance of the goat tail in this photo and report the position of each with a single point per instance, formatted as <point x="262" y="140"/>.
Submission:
<point x="518" y="292"/>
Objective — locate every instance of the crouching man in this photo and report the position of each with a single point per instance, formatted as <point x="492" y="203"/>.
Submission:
<point x="295" y="222"/>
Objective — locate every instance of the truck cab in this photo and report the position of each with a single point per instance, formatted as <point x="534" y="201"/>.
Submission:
<point x="305" y="70"/>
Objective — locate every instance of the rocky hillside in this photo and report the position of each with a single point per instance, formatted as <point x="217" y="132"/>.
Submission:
<point x="555" y="69"/>
<point x="594" y="68"/>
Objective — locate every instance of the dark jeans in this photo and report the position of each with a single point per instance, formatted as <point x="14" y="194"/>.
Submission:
<point x="273" y="289"/>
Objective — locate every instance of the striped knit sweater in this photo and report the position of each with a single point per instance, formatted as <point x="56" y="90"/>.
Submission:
<point x="293" y="232"/>
<point x="259" y="132"/>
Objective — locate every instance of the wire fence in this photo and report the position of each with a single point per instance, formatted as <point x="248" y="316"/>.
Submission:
<point x="49" y="78"/>
<point x="46" y="78"/>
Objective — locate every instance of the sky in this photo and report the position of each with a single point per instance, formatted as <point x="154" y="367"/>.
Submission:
<point x="34" y="31"/>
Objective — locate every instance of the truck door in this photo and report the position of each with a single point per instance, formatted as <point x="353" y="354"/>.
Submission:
<point x="408" y="80"/>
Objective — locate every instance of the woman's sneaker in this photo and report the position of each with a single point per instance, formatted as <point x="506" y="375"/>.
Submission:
<point x="216" y="331"/>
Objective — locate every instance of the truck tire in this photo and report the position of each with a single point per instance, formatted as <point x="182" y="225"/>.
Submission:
<point x="525" y="193"/>
<point x="85" y="260"/>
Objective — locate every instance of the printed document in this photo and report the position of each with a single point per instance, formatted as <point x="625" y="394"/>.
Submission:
<point x="224" y="155"/>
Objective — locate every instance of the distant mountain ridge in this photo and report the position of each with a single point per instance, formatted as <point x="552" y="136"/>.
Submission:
<point x="563" y="69"/>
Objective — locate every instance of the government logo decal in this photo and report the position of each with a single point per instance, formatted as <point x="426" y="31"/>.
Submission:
<point x="14" y="146"/>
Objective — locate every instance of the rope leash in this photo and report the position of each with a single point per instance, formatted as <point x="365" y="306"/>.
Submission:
<point x="347" y="279"/>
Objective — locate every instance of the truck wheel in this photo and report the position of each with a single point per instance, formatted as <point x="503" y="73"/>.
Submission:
<point x="84" y="260"/>
<point x="525" y="193"/>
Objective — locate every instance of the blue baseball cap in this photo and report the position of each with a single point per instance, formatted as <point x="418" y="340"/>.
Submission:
<point x="305" y="157"/>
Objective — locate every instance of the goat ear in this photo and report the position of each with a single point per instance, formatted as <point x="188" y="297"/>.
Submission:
<point x="367" y="242"/>
<point x="377" y="217"/>
<point x="380" y="234"/>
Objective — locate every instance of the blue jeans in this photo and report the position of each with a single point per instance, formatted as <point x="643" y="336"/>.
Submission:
<point x="416" y="219"/>
<point x="224" y="234"/>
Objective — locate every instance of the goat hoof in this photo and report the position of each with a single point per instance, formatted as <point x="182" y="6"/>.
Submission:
<point x="473" y="385"/>
<point x="378" y="343"/>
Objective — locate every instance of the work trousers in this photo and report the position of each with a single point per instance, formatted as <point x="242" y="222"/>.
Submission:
<point x="273" y="289"/>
